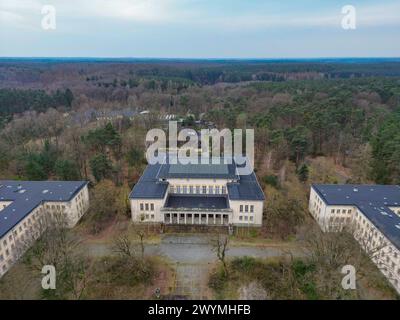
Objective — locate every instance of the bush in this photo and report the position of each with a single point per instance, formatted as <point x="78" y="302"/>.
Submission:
<point x="218" y="280"/>
<point x="271" y="180"/>
<point x="243" y="264"/>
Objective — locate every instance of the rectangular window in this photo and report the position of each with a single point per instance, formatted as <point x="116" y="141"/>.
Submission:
<point x="241" y="208"/>
<point x="246" y="208"/>
<point x="251" y="208"/>
<point x="152" y="206"/>
<point x="147" y="206"/>
<point x="210" y="189"/>
<point x="223" y="189"/>
<point x="217" y="190"/>
<point x="198" y="189"/>
<point x="332" y="210"/>
<point x="191" y="189"/>
<point x="240" y="218"/>
<point x="141" y="207"/>
<point x="184" y="189"/>
<point x="178" y="189"/>
<point x="204" y="189"/>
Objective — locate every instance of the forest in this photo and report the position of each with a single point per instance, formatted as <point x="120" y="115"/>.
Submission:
<point x="315" y="121"/>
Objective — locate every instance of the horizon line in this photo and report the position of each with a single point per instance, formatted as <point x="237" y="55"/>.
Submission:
<point x="199" y="58"/>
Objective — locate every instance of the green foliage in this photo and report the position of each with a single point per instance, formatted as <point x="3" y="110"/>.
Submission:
<point x="14" y="101"/>
<point x="101" y="166"/>
<point x="39" y="166"/>
<point x="67" y="170"/>
<point x="218" y="280"/>
<point x="244" y="264"/>
<point x="134" y="157"/>
<point x="303" y="172"/>
<point x="386" y="151"/>
<point x="99" y="139"/>
<point x="271" y="180"/>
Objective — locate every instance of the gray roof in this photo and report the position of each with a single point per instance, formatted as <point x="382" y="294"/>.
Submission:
<point x="247" y="188"/>
<point x="196" y="202"/>
<point x="153" y="184"/>
<point x="373" y="200"/>
<point x="148" y="186"/>
<point x="27" y="195"/>
<point x="198" y="171"/>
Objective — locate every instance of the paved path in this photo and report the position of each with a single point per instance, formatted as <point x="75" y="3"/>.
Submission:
<point x="193" y="257"/>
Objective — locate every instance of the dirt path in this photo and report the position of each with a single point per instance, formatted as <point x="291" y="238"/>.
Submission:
<point x="193" y="257"/>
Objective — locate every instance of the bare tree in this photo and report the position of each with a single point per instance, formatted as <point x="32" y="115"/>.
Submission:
<point x="56" y="246"/>
<point x="220" y="246"/>
<point x="141" y="235"/>
<point x="123" y="246"/>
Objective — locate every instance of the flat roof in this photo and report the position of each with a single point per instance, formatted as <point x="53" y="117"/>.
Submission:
<point x="196" y="202"/>
<point x="153" y="183"/>
<point x="374" y="201"/>
<point x="247" y="188"/>
<point x="199" y="170"/>
<point x="27" y="195"/>
<point x="148" y="186"/>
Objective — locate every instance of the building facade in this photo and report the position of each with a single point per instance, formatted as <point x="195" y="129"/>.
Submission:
<point x="197" y="194"/>
<point x="25" y="207"/>
<point x="371" y="213"/>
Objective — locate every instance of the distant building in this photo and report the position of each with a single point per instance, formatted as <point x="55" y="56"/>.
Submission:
<point x="197" y="194"/>
<point x="371" y="213"/>
<point x="24" y="208"/>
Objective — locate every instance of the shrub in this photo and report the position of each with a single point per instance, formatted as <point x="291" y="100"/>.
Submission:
<point x="271" y="180"/>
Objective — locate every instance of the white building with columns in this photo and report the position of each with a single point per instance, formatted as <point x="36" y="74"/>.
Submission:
<point x="371" y="213"/>
<point x="197" y="194"/>
<point x="25" y="207"/>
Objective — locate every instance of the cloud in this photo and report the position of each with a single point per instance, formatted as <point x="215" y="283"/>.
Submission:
<point x="223" y="15"/>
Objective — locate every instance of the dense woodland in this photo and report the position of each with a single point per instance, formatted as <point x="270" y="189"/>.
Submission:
<point x="333" y="121"/>
<point x="315" y="121"/>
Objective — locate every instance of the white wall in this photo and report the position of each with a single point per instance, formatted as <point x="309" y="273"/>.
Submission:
<point x="137" y="213"/>
<point x="20" y="238"/>
<point x="4" y="204"/>
<point x="257" y="215"/>
<point x="369" y="237"/>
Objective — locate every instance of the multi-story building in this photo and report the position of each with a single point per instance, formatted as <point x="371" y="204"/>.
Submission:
<point x="25" y="207"/>
<point x="205" y="194"/>
<point x="371" y="213"/>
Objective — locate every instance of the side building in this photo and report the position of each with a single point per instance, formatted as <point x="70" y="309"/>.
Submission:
<point x="24" y="208"/>
<point x="371" y="213"/>
<point x="197" y="194"/>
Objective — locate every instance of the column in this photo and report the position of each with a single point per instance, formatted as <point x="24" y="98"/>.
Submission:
<point x="185" y="218"/>
<point x="207" y="218"/>
<point x="170" y="218"/>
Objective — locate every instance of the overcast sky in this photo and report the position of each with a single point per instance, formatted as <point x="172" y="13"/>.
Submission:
<point x="200" y="29"/>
